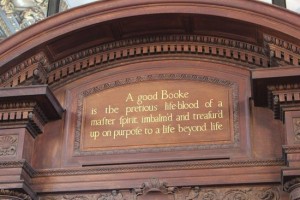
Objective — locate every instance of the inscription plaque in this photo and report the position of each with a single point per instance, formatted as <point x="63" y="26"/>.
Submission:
<point x="157" y="113"/>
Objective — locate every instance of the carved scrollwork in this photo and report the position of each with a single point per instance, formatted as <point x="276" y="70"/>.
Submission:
<point x="291" y="183"/>
<point x="292" y="186"/>
<point x="268" y="194"/>
<point x="193" y="194"/>
<point x="114" y="195"/>
<point x="296" y="124"/>
<point x="154" y="185"/>
<point x="12" y="195"/>
<point x="236" y="195"/>
<point x="178" y="193"/>
<point x="209" y="195"/>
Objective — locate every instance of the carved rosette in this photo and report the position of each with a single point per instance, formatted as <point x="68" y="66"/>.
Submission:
<point x="8" y="145"/>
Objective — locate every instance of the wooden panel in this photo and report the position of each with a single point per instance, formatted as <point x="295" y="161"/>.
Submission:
<point x="158" y="113"/>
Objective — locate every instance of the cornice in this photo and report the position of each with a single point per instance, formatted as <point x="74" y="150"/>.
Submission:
<point x="135" y="50"/>
<point x="244" y="10"/>
<point x="37" y="69"/>
<point x="28" y="68"/>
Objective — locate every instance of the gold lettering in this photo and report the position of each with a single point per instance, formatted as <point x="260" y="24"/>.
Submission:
<point x="208" y="115"/>
<point x="190" y="129"/>
<point x="220" y="104"/>
<point x="103" y="121"/>
<point x="129" y="97"/>
<point x="94" y="134"/>
<point x="149" y="97"/>
<point x="164" y="112"/>
<point x="216" y="126"/>
<point x="94" y="111"/>
<point x="127" y="133"/>
<point x="110" y="109"/>
<point x="127" y="120"/>
<point x="185" y="117"/>
<point x="176" y="95"/>
<point x="168" y="129"/>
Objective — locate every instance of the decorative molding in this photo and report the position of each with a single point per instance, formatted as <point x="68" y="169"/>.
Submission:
<point x="8" y="146"/>
<point x="283" y="97"/>
<point x="183" y="193"/>
<point x="13" y="195"/>
<point x="194" y="193"/>
<point x="18" y="164"/>
<point x="193" y="46"/>
<point x="282" y="51"/>
<point x="295" y="194"/>
<point x="37" y="69"/>
<point x="154" y="185"/>
<point x="291" y="149"/>
<point x="288" y="186"/>
<point x="23" y="114"/>
<point x="24" y="71"/>
<point x="114" y="195"/>
<point x="163" y="40"/>
<point x="165" y="166"/>
<point x="296" y="127"/>
<point x="133" y="80"/>
<point x="146" y="167"/>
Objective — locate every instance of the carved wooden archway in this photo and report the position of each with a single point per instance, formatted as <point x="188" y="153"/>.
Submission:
<point x="115" y="43"/>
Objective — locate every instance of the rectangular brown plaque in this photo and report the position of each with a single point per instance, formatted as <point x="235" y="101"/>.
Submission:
<point x="161" y="113"/>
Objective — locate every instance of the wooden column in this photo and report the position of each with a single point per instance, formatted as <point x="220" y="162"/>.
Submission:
<point x="24" y="111"/>
<point x="285" y="102"/>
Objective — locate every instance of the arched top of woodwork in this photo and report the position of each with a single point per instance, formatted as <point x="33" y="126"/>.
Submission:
<point x="75" y="19"/>
<point x="55" y="35"/>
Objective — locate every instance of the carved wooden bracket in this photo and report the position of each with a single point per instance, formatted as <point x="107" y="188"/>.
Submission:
<point x="284" y="98"/>
<point x="281" y="51"/>
<point x="28" y="107"/>
<point x="28" y="72"/>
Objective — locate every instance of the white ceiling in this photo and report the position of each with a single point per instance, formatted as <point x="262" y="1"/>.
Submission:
<point x="74" y="3"/>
